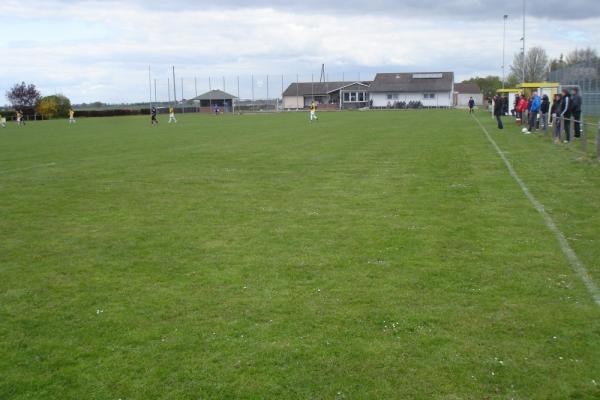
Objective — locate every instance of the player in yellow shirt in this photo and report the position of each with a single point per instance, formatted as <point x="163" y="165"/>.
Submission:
<point x="19" y="118"/>
<point x="172" y="115"/>
<point x="71" y="116"/>
<point x="313" y="111"/>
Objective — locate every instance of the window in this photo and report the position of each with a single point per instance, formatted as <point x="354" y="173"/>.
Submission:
<point x="354" y="97"/>
<point x="390" y="96"/>
<point x="428" y="96"/>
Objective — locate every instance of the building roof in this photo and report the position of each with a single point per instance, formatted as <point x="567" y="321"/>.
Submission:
<point x="413" y="82"/>
<point x="215" y="95"/>
<point x="469" y="88"/>
<point x="317" y="88"/>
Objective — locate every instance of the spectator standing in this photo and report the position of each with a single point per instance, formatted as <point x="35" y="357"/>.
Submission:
<point x="544" y="109"/>
<point x="555" y="119"/>
<point x="498" y="110"/>
<point x="576" y="114"/>
<point x="535" y="104"/>
<point x="521" y="109"/>
<point x="565" y="111"/>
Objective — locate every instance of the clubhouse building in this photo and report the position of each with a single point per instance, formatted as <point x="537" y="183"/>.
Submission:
<point x="387" y="90"/>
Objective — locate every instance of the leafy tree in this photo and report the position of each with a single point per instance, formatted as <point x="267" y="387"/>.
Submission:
<point x="23" y="96"/>
<point x="488" y="85"/>
<point x="512" y="80"/>
<point x="63" y="105"/>
<point x="536" y="65"/>
<point x="54" y="106"/>
<point x="47" y="106"/>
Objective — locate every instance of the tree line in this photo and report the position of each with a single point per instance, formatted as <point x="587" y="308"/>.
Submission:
<point x="537" y="68"/>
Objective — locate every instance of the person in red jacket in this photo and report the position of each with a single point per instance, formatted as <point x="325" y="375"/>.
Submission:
<point x="521" y="108"/>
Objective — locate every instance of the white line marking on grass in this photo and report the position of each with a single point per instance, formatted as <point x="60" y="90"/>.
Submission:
<point x="28" y="168"/>
<point x="576" y="264"/>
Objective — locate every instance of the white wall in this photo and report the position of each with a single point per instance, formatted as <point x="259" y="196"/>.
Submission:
<point x="462" y="99"/>
<point x="293" y="102"/>
<point x="442" y="99"/>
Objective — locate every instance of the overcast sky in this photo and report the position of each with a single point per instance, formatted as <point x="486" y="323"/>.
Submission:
<point x="100" y="50"/>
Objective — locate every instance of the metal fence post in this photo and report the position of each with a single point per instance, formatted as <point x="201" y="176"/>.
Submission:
<point x="562" y="127"/>
<point x="583" y="136"/>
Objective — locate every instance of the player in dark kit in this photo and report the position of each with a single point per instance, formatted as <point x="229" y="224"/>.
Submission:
<point x="471" y="105"/>
<point x="154" y="121"/>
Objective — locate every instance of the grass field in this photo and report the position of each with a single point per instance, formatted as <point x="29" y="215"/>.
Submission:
<point x="371" y="255"/>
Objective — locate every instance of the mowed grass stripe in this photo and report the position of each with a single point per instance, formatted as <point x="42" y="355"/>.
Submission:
<point x="576" y="264"/>
<point x="370" y="255"/>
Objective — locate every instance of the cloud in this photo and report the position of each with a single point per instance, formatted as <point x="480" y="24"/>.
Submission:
<point x="90" y="52"/>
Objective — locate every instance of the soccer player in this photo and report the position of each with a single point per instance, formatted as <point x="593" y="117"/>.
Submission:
<point x="2" y="121"/>
<point x="471" y="105"/>
<point x="313" y="111"/>
<point x="172" y="115"/>
<point x="71" y="116"/>
<point x="153" y="119"/>
<point x="19" y="117"/>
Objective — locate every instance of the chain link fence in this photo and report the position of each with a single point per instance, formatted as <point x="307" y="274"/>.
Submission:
<point x="586" y="75"/>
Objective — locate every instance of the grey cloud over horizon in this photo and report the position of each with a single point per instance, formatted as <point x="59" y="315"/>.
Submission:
<point x="460" y="9"/>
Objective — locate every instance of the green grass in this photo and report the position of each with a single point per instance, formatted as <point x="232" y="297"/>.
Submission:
<point x="371" y="255"/>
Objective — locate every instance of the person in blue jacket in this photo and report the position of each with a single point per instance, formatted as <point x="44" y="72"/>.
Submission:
<point x="534" y="108"/>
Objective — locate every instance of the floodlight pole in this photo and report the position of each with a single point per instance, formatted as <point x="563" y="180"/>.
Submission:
<point x="150" y="84"/>
<point x="224" y="87"/>
<point x="196" y="86"/>
<point x="504" y="51"/>
<point x="252" y="77"/>
<point x="267" y="88"/>
<point x="169" y="89"/>
<point x="524" y="59"/>
<point x="238" y="91"/>
<point x="174" y="87"/>
<point x="182" y="105"/>
<point x="155" y="101"/>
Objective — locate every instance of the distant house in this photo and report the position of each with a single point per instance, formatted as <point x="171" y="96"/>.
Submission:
<point x="223" y="100"/>
<point x="432" y="89"/>
<point x="329" y="95"/>
<point x="464" y="91"/>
